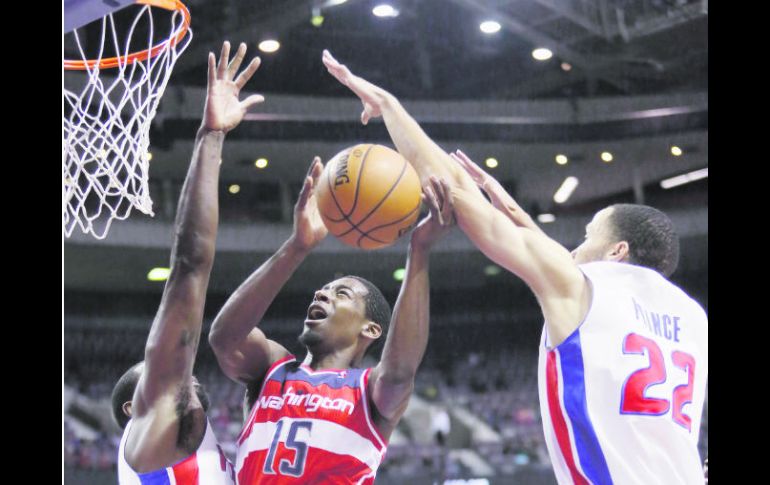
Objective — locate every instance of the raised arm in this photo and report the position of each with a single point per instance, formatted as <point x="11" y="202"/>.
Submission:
<point x="544" y="264"/>
<point x="392" y="380"/>
<point x="168" y="418"/>
<point x="243" y="351"/>
<point x="412" y="142"/>
<point x="512" y="242"/>
<point x="498" y="196"/>
<point x="173" y="340"/>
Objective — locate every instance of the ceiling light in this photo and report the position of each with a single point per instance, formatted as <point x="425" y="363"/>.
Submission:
<point x="148" y="156"/>
<point x="546" y="218"/>
<point x="566" y="66"/>
<point x="398" y="275"/>
<point x="565" y="191"/>
<point x="489" y="27"/>
<point x="269" y="46"/>
<point x="607" y="157"/>
<point x="684" y="179"/>
<point x="385" y="10"/>
<point x="158" y="274"/>
<point x="234" y="189"/>
<point x="261" y="163"/>
<point x="492" y="270"/>
<point x="676" y="151"/>
<point x="317" y="20"/>
<point x="542" y="54"/>
<point x="561" y="159"/>
<point x="491" y="162"/>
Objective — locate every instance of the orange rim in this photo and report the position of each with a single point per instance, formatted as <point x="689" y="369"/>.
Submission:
<point x="112" y="62"/>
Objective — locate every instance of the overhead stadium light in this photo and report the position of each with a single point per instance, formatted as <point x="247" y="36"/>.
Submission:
<point x="607" y="157"/>
<point x="676" y="151"/>
<point x="234" y="189"/>
<point x="399" y="274"/>
<point x="491" y="162"/>
<point x="546" y="218"/>
<point x="492" y="270"/>
<point x="684" y="179"/>
<point x="542" y="54"/>
<point x="385" y="10"/>
<point x="489" y="27"/>
<point x="158" y="274"/>
<point x="561" y="159"/>
<point x="269" y="46"/>
<point x="261" y="163"/>
<point x="565" y="190"/>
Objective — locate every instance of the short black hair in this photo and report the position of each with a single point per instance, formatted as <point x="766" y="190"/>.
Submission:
<point x="377" y="310"/>
<point x="652" y="239"/>
<point x="123" y="392"/>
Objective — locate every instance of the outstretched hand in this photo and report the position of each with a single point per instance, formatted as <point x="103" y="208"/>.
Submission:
<point x="499" y="197"/>
<point x="437" y="195"/>
<point x="371" y="96"/>
<point x="309" y="228"/>
<point x="224" y="111"/>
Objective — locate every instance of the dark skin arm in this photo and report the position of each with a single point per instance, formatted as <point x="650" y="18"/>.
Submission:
<point x="392" y="380"/>
<point x="168" y="421"/>
<point x="243" y="351"/>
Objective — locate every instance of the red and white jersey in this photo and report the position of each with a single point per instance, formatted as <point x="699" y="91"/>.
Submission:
<point x="310" y="427"/>
<point x="622" y="397"/>
<point x="207" y="466"/>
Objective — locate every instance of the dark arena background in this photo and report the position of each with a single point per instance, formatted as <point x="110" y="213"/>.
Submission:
<point x="626" y="77"/>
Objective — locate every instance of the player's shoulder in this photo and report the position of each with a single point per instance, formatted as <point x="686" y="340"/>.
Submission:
<point x="629" y="276"/>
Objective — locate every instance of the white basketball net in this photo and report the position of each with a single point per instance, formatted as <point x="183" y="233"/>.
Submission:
<point x="106" y="131"/>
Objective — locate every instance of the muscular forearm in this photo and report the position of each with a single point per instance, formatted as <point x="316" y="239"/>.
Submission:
<point x="248" y="304"/>
<point x="198" y="211"/>
<point x="413" y="143"/>
<point x="489" y="229"/>
<point x="174" y="336"/>
<point x="408" y="334"/>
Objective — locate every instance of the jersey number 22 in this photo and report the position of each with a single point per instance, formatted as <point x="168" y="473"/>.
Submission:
<point x="632" y="397"/>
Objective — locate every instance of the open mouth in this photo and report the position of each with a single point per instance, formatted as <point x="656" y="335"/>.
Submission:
<point x="316" y="312"/>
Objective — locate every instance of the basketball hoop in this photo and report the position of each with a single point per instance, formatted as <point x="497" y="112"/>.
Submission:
<point x="106" y="121"/>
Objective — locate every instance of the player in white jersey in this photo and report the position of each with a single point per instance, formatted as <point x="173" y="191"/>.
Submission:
<point x="624" y="356"/>
<point x="167" y="437"/>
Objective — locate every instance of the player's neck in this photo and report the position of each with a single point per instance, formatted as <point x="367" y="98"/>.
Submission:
<point x="341" y="359"/>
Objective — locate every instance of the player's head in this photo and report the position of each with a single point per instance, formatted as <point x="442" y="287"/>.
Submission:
<point x="349" y="311"/>
<point x="631" y="233"/>
<point x="123" y="394"/>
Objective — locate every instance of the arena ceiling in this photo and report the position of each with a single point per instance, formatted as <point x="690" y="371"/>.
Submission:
<point x="638" y="82"/>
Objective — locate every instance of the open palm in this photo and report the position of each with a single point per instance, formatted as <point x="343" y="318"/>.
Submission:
<point x="224" y="111"/>
<point x="309" y="228"/>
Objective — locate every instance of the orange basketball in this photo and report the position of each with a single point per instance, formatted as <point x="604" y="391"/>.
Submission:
<point x="368" y="196"/>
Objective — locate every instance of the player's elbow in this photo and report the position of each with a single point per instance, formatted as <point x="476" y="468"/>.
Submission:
<point x="218" y="339"/>
<point x="194" y="252"/>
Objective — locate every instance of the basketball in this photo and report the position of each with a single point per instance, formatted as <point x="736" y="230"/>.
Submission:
<point x="368" y="196"/>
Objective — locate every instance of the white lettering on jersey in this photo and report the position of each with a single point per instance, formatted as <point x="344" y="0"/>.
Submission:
<point x="312" y="402"/>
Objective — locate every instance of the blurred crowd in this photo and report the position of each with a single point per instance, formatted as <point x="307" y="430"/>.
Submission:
<point x="499" y="388"/>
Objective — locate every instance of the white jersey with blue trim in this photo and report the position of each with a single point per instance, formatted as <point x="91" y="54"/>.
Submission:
<point x="622" y="397"/>
<point x="207" y="466"/>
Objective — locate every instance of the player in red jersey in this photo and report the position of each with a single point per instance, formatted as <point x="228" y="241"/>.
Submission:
<point x="325" y="420"/>
<point x="158" y="402"/>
